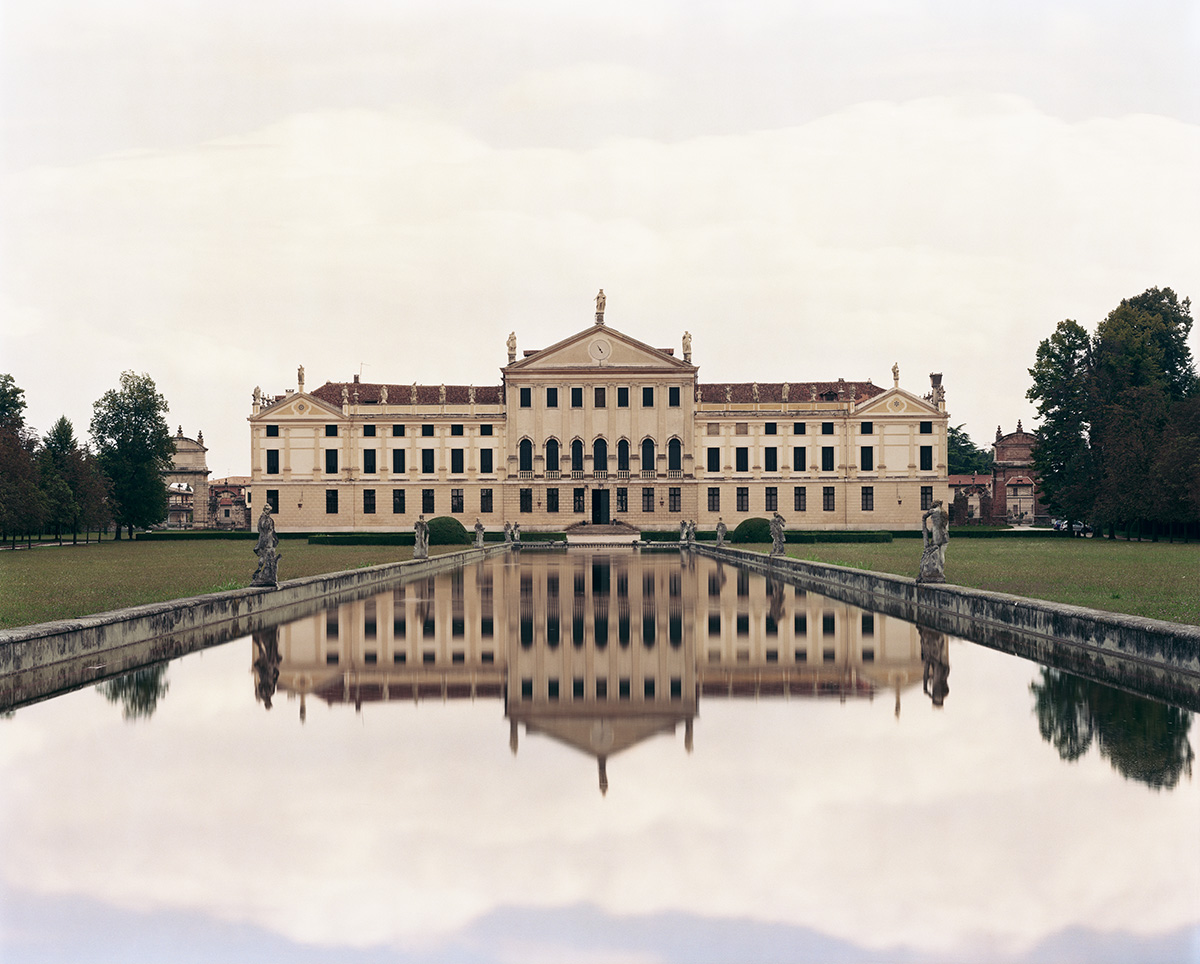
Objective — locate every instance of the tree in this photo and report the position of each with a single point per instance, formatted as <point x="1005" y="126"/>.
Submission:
<point x="134" y="447"/>
<point x="965" y="457"/>
<point x="1062" y="388"/>
<point x="12" y="403"/>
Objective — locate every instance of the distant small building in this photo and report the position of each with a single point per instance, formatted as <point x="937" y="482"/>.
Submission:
<point x="227" y="505"/>
<point x="975" y="487"/>
<point x="1014" y="481"/>
<point x="187" y="483"/>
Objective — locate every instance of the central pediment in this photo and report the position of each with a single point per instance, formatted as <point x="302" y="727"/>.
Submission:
<point x="598" y="347"/>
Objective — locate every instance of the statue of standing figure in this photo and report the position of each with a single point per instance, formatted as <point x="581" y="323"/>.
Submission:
<point x="935" y="533"/>
<point x="721" y="530"/>
<point x="267" y="550"/>
<point x="421" y="538"/>
<point x="691" y="534"/>
<point x="508" y="533"/>
<point x="682" y="532"/>
<point x="516" y="535"/>
<point x="478" y="534"/>
<point x="777" y="537"/>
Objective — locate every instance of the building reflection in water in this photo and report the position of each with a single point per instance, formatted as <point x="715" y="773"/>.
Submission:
<point x="599" y="650"/>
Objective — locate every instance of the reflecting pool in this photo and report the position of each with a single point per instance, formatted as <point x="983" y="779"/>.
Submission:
<point x="593" y="756"/>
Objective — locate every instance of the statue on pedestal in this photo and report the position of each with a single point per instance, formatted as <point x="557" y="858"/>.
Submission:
<point x="935" y="533"/>
<point x="516" y="535"/>
<point x="601" y="301"/>
<point x="687" y="347"/>
<point x="508" y="533"/>
<point x="478" y="534"/>
<point x="721" y="530"/>
<point x="777" y="537"/>
<point x="421" y="538"/>
<point x="383" y="394"/>
<point x="266" y="550"/>
<point x="512" y="347"/>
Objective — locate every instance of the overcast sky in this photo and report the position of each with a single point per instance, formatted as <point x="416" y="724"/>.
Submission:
<point x="216" y="193"/>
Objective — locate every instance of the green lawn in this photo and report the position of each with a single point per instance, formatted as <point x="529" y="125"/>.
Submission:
<point x="41" y="584"/>
<point x="1158" y="580"/>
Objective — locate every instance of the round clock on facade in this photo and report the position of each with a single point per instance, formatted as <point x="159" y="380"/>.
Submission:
<point x="600" y="349"/>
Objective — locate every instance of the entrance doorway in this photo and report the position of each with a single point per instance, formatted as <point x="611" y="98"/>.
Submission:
<point x="600" y="507"/>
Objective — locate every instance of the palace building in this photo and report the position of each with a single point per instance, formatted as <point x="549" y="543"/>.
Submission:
<point x="599" y="428"/>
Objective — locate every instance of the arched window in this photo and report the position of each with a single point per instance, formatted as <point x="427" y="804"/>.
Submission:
<point x="648" y="455"/>
<point x="599" y="455"/>
<point x="552" y="455"/>
<point x="577" y="456"/>
<point x="674" y="455"/>
<point x="623" y="455"/>
<point x="526" y="455"/>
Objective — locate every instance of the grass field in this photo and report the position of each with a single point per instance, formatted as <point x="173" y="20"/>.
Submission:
<point x="41" y="584"/>
<point x="1156" y="580"/>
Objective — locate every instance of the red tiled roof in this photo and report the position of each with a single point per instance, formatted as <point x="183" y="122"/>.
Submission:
<point x="370" y="394"/>
<point x="798" y="392"/>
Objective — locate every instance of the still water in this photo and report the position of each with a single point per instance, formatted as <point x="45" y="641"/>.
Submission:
<point x="599" y="757"/>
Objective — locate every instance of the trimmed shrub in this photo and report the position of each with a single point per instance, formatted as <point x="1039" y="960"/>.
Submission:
<point x="836" y="535"/>
<point x="752" y="530"/>
<point x="446" y="531"/>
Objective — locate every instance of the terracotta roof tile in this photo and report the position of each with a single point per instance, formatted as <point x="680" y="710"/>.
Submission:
<point x="371" y="394"/>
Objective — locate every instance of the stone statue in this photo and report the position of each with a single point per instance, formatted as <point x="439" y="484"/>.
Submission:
<point x="683" y="529"/>
<point x="728" y="394"/>
<point x="721" y="530"/>
<point x="691" y="534"/>
<point x="421" y="538"/>
<point x="441" y="394"/>
<point x="841" y="389"/>
<point x="935" y="533"/>
<point x="687" y="347"/>
<point x="470" y="394"/>
<point x="266" y="664"/>
<point x="383" y="393"/>
<point x="478" y="534"/>
<point x="896" y="375"/>
<point x="413" y="394"/>
<point x="935" y="665"/>
<point x="345" y="395"/>
<point x="783" y="392"/>
<point x="600" y="303"/>
<point x="698" y="397"/>
<point x="266" y="550"/>
<point x="512" y="347"/>
<point x="777" y="537"/>
<point x="516" y="535"/>
<point x="754" y="392"/>
<point x="508" y="533"/>
<point x="812" y="393"/>
<point x="300" y="378"/>
<point x="258" y="399"/>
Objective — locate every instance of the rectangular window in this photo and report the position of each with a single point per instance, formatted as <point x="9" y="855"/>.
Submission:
<point x="369" y="462"/>
<point x="926" y="497"/>
<point x="331" y="506"/>
<point x="622" y="398"/>
<point x="828" y="500"/>
<point x="398" y="431"/>
<point x="397" y="460"/>
<point x="485" y="500"/>
<point x="427" y="501"/>
<point x="427" y="431"/>
<point x="456" y="430"/>
<point x="273" y="500"/>
<point x="622" y="500"/>
<point x="648" y="500"/>
<point x="486" y="461"/>
<point x="456" y="500"/>
<point x="526" y="398"/>
<point x="926" y="458"/>
<point x="368" y="501"/>
<point x="826" y="458"/>
<point x="427" y="461"/>
<point x="577" y="398"/>
<point x="598" y="398"/>
<point x="770" y="428"/>
<point x="673" y="396"/>
<point x="526" y="496"/>
<point x="800" y="498"/>
<point x="397" y="502"/>
<point x="743" y="499"/>
<point x="868" y="428"/>
<point x="866" y="458"/>
<point x="799" y="428"/>
<point x="772" y="498"/>
<point x="868" y="498"/>
<point x="577" y="501"/>
<point x="272" y="431"/>
<point x="714" y="460"/>
<point x="552" y="500"/>
<point x="827" y="428"/>
<point x="552" y="398"/>
<point x="456" y="461"/>
<point x="647" y="397"/>
<point x="771" y="460"/>
<point x="331" y="461"/>
<point x="799" y="459"/>
<point x="741" y="459"/>
<point x="331" y="431"/>
<point x="485" y="430"/>
<point x="674" y="500"/>
<point x="714" y="498"/>
<point x="272" y="461"/>
<point x="368" y="431"/>
<point x="927" y="428"/>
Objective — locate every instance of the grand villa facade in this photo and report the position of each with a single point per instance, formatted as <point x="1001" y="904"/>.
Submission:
<point x="599" y="428"/>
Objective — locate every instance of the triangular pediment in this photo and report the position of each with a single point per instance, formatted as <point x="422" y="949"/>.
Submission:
<point x="298" y="405"/>
<point x="596" y="347"/>
<point x="896" y="401"/>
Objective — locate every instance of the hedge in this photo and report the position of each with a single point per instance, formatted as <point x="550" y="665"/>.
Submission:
<point x="185" y="535"/>
<point x="361" y="539"/>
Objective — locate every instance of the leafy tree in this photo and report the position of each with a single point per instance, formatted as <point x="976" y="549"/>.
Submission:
<point x="1175" y="475"/>
<point x="22" y="502"/>
<point x="135" y="449"/>
<point x="964" y="456"/>
<point x="12" y="403"/>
